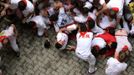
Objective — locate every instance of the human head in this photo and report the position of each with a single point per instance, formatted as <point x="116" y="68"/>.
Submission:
<point x="113" y="12"/>
<point x="113" y="45"/>
<point x="98" y="45"/>
<point x="97" y="5"/>
<point x="32" y="24"/>
<point x="91" y="23"/>
<point x="58" y="45"/>
<point x="82" y="27"/>
<point x="3" y="39"/>
<point x="47" y="44"/>
<point x="22" y="5"/>
<point x="124" y="54"/>
<point x="54" y="17"/>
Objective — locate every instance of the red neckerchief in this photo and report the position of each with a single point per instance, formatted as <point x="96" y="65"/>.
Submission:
<point x="115" y="9"/>
<point x="125" y="48"/>
<point x="82" y="34"/>
<point x="2" y="38"/>
<point x="88" y="18"/>
<point x="25" y="1"/>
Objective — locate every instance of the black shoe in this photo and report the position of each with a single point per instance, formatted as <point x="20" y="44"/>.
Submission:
<point x="47" y="44"/>
<point x="17" y="54"/>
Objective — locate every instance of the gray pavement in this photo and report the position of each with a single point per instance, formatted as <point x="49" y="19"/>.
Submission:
<point x="36" y="60"/>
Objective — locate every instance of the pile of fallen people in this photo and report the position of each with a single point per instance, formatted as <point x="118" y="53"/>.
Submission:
<point x="100" y="27"/>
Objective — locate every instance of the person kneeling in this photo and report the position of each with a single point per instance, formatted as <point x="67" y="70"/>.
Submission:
<point x="10" y="35"/>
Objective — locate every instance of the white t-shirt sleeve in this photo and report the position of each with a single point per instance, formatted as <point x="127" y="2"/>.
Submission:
<point x="102" y="2"/>
<point x="59" y="36"/>
<point x="122" y="66"/>
<point x="9" y="32"/>
<point x="44" y="25"/>
<point x="109" y="60"/>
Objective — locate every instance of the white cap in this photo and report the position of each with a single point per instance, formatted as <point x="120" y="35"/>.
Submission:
<point x="99" y="42"/>
<point x="88" y="5"/>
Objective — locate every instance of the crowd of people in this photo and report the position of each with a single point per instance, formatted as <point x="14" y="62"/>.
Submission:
<point x="100" y="27"/>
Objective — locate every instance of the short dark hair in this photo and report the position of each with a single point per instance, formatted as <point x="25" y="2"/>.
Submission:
<point x="85" y="11"/>
<point x="97" y="5"/>
<point x="82" y="27"/>
<point x="114" y="45"/>
<point x="58" y="45"/>
<point x="103" y="50"/>
<point x="54" y="17"/>
<point x="91" y="23"/>
<point x="112" y="13"/>
<point x="22" y="5"/>
<point x="124" y="56"/>
<point x="112" y="31"/>
<point x="31" y="23"/>
<point x="47" y="44"/>
<point x="95" y="51"/>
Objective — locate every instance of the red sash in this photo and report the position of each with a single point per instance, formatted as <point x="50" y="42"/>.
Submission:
<point x="107" y="37"/>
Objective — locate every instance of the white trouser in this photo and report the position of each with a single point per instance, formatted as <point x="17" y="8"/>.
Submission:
<point x="13" y="43"/>
<point x="41" y="31"/>
<point x="56" y="27"/>
<point x="90" y="59"/>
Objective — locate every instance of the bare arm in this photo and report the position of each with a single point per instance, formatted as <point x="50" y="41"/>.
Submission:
<point x="6" y="5"/>
<point x="102" y="10"/>
<point x="15" y="30"/>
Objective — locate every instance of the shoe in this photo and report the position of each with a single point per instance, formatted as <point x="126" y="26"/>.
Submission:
<point x="17" y="54"/>
<point x="47" y="44"/>
<point x="91" y="70"/>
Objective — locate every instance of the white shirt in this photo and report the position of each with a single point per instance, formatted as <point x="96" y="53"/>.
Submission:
<point x="121" y="42"/>
<point x="62" y="37"/>
<point x="115" y="67"/>
<point x="80" y="18"/>
<point x="99" y="42"/>
<point x="105" y="22"/>
<point x="29" y="8"/>
<point x="84" y="44"/>
<point x="40" y="21"/>
<point x="9" y="32"/>
<point x="76" y="11"/>
<point x="115" y="3"/>
<point x="14" y="4"/>
<point x="63" y="18"/>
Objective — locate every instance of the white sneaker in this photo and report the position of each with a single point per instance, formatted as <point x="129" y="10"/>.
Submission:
<point x="91" y="70"/>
